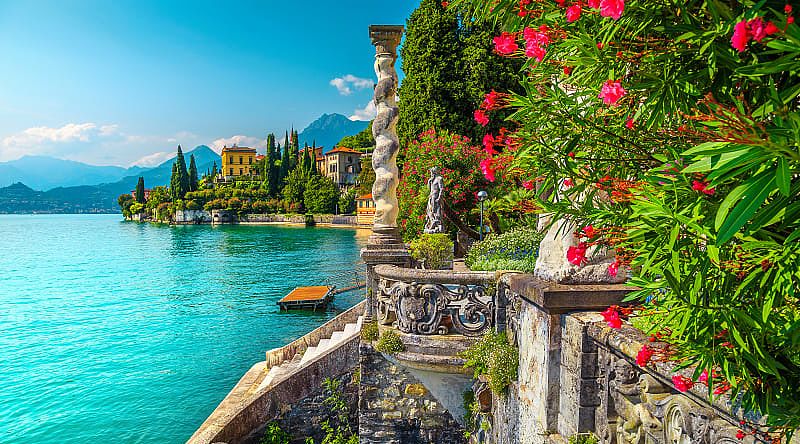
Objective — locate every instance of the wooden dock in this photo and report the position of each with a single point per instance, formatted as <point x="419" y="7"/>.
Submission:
<point x="308" y="297"/>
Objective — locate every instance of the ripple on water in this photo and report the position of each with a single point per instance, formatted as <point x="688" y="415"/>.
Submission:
<point x="127" y="333"/>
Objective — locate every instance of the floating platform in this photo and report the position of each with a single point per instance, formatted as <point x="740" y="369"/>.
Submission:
<point x="308" y="298"/>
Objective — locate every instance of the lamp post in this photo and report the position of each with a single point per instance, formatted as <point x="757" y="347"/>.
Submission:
<point x="482" y="196"/>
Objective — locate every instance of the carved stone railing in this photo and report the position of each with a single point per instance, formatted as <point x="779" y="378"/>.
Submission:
<point x="435" y="302"/>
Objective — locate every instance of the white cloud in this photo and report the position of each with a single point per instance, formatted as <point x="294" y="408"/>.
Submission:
<point x="239" y="140"/>
<point x="62" y="142"/>
<point x="154" y="159"/>
<point x="346" y="84"/>
<point x="71" y="132"/>
<point x="366" y="113"/>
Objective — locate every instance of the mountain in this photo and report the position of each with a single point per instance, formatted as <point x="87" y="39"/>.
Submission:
<point x="102" y="198"/>
<point x="329" y="129"/>
<point x="44" y="173"/>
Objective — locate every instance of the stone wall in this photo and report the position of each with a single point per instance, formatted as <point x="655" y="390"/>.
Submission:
<point x="395" y="407"/>
<point x="183" y="217"/>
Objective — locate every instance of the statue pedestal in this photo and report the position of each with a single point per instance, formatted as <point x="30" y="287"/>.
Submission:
<point x="385" y="246"/>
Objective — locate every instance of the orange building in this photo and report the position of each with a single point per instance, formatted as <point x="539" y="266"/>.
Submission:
<point x="365" y="210"/>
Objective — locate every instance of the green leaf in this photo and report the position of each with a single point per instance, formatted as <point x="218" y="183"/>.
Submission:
<point x="782" y="176"/>
<point x="752" y="200"/>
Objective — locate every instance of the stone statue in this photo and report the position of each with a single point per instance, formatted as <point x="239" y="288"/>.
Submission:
<point x="552" y="263"/>
<point x="433" y="217"/>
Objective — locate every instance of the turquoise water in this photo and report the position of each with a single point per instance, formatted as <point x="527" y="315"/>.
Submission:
<point x="120" y="332"/>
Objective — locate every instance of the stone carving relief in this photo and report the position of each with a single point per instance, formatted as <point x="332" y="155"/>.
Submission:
<point x="637" y="408"/>
<point x="429" y="308"/>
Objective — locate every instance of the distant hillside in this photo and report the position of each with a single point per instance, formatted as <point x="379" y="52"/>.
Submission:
<point x="102" y="198"/>
<point x="44" y="173"/>
<point x="328" y="129"/>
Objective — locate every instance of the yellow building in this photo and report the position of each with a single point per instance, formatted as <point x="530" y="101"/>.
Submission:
<point x="365" y="210"/>
<point x="237" y="161"/>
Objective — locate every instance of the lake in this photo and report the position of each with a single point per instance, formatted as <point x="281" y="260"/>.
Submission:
<point x="114" y="331"/>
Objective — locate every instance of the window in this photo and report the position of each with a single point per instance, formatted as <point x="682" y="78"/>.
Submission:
<point x="241" y="171"/>
<point x="240" y="161"/>
<point x="230" y="160"/>
<point x="250" y="160"/>
<point x="231" y="174"/>
<point x="349" y="159"/>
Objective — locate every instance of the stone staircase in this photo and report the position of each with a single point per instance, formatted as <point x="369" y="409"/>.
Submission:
<point x="300" y="359"/>
<point x="285" y="376"/>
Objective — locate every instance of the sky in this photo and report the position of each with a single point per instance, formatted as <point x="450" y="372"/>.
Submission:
<point x="124" y="82"/>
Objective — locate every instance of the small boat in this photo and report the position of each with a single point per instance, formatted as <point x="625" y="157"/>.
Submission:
<point x="308" y="298"/>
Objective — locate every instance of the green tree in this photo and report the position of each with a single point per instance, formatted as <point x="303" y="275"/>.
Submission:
<point x="450" y="65"/>
<point x="362" y="141"/>
<point x="214" y="169"/>
<point x="366" y="177"/>
<point x="192" y="174"/>
<point x="272" y="168"/>
<point x="320" y="195"/>
<point x="347" y="202"/>
<point x="432" y="94"/>
<point x="285" y="164"/>
<point x="140" y="190"/>
<point x="293" y="191"/>
<point x="179" y="182"/>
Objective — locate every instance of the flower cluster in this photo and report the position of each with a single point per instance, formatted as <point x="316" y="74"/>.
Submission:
<point x="753" y="29"/>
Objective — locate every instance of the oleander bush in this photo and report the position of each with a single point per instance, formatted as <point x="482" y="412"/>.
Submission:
<point x="434" y="251"/>
<point x="669" y="132"/>
<point x="515" y="249"/>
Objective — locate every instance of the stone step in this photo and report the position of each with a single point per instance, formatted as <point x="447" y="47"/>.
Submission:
<point x="337" y="336"/>
<point x="323" y="344"/>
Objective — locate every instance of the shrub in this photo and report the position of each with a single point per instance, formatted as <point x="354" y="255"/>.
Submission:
<point x="515" y="249"/>
<point x="390" y="343"/>
<point x="435" y="251"/>
<point x="369" y="332"/>
<point x="136" y="208"/>
<point x="193" y="205"/>
<point x="275" y="435"/>
<point x="584" y="438"/>
<point x="494" y="357"/>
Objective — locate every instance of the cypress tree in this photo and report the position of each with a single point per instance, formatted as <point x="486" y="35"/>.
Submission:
<point x="307" y="159"/>
<point x="214" y="169"/>
<point x="140" y="190"/>
<point x="192" y="174"/>
<point x="179" y="183"/>
<point x="174" y="182"/>
<point x="285" y="164"/>
<point x="271" y="166"/>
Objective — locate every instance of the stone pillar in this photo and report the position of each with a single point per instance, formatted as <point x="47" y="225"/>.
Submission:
<point x="385" y="245"/>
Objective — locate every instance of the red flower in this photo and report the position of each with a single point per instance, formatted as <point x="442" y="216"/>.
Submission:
<point x="576" y="255"/>
<point x="528" y="184"/>
<point x="741" y="35"/>
<point x="703" y="378"/>
<point x="613" y="268"/>
<point x="568" y="183"/>
<point x="600" y="45"/>
<point x="571" y="155"/>
<point x="491" y="100"/>
<point x="481" y="117"/>
<point x="589" y="231"/>
<point x="740" y="435"/>
<point x="787" y="9"/>
<point x="629" y="123"/>
<point x="573" y="13"/>
<point x="488" y="169"/>
<point x="567" y="70"/>
<point x="611" y="92"/>
<point x="682" y="383"/>
<point x="611" y="316"/>
<point x="445" y="4"/>
<point x="594" y="4"/>
<point x="505" y="43"/>
<point x="612" y="8"/>
<point x="644" y="355"/>
<point x="789" y="20"/>
<point x="772" y="29"/>
<point x="757" y="28"/>
<point x="535" y="41"/>
<point x="488" y="144"/>
<point x="702" y="187"/>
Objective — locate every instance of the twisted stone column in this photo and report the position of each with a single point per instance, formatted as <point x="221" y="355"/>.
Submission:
<point x="385" y="245"/>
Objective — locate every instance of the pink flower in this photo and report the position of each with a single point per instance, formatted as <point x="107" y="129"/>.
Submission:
<point x="703" y="378"/>
<point x="589" y="231"/>
<point x="611" y="92"/>
<point x="613" y="268"/>
<point x="787" y="9"/>
<point x="757" y="28"/>
<point x="772" y="29"/>
<point x="488" y="144"/>
<point x="682" y="383"/>
<point x="568" y="183"/>
<point x="741" y="35"/>
<point x="644" y="355"/>
<point x="702" y="187"/>
<point x="629" y="123"/>
<point x="612" y="8"/>
<point x="576" y="255"/>
<point x="481" y="117"/>
<point x="491" y="99"/>
<point x="611" y="316"/>
<point x="488" y="169"/>
<point x="594" y="4"/>
<point x="573" y="13"/>
<point x="789" y="20"/>
<point x="505" y="43"/>
<point x="528" y="184"/>
<point x="535" y="42"/>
